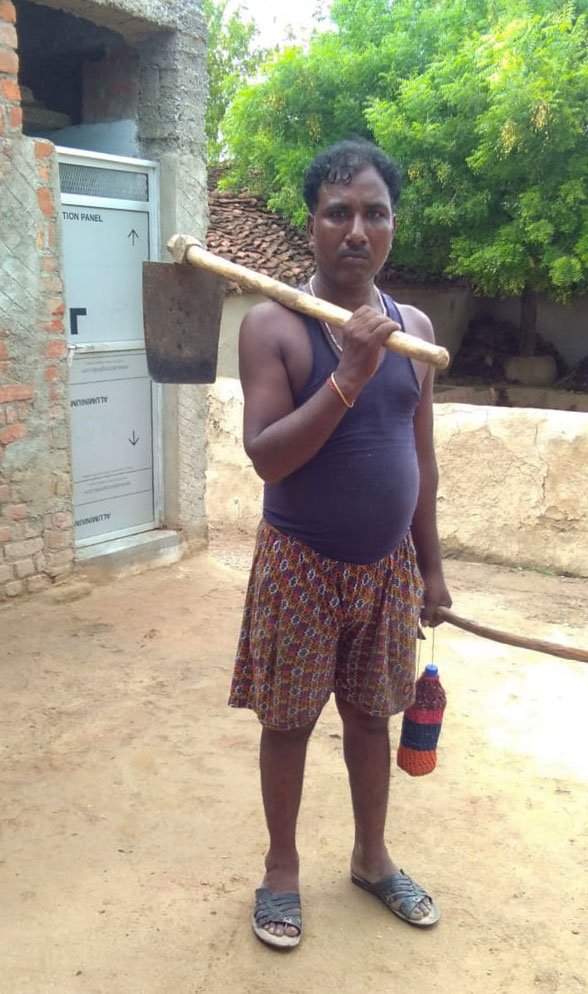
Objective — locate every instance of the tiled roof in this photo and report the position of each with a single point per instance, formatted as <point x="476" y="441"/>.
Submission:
<point x="243" y="230"/>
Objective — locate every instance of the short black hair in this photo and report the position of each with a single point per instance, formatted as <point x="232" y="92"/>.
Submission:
<point x="341" y="162"/>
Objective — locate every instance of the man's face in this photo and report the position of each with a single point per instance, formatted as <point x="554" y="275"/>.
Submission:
<point x="352" y="228"/>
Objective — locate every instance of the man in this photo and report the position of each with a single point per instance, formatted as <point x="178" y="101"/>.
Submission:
<point x="341" y="431"/>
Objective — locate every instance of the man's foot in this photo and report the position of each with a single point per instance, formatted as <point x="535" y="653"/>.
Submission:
<point x="277" y="918"/>
<point x="279" y="881"/>
<point x="397" y="890"/>
<point x="404" y="897"/>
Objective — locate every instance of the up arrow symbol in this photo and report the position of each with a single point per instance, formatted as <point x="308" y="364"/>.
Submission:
<point x="133" y="235"/>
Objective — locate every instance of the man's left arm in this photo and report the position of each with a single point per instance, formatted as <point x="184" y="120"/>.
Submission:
<point x="424" y="523"/>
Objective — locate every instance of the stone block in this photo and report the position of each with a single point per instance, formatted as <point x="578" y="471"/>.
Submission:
<point x="37" y="583"/>
<point x="24" y="568"/>
<point x="22" y="550"/>
<point x="14" y="588"/>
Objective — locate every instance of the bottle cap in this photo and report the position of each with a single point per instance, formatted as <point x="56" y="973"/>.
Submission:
<point x="431" y="669"/>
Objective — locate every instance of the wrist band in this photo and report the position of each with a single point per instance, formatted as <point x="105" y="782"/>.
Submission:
<point x="332" y="383"/>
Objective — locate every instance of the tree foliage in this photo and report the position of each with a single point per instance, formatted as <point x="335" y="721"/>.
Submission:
<point x="232" y="57"/>
<point x="494" y="136"/>
<point x="483" y="102"/>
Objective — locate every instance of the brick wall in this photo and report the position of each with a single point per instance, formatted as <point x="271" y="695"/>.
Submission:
<point x="36" y="520"/>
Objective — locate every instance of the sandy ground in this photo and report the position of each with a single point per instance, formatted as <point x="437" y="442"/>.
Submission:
<point x="132" y="835"/>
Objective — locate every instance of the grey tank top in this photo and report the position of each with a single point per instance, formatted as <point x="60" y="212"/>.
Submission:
<point x="354" y="500"/>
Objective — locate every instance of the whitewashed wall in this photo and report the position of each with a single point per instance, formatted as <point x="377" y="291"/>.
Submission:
<point x="513" y="490"/>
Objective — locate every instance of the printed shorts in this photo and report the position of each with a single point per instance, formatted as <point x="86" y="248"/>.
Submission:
<point x="313" y="626"/>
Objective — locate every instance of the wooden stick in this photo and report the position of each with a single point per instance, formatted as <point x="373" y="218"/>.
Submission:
<point x="185" y="249"/>
<point x="521" y="641"/>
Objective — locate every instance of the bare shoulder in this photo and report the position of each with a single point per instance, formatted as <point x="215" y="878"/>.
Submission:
<point x="268" y="324"/>
<point x="273" y="342"/>
<point x="416" y="322"/>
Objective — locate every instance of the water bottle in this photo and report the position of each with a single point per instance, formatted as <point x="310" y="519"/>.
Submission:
<point x="421" y="725"/>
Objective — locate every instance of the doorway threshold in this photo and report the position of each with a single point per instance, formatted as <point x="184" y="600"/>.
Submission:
<point x="131" y="555"/>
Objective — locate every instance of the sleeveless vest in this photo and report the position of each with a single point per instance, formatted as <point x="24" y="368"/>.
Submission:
<point x="355" y="499"/>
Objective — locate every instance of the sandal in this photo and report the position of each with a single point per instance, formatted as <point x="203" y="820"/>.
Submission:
<point x="401" y="895"/>
<point x="281" y="909"/>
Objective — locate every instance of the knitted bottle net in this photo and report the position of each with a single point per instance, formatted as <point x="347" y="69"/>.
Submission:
<point x="421" y="725"/>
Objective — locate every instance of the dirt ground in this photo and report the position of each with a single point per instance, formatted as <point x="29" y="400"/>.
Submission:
<point x="131" y="830"/>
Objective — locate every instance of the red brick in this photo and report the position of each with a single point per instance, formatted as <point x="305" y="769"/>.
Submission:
<point x="55" y="327"/>
<point x="49" y="264"/>
<point x="16" y="512"/>
<point x="12" y="433"/>
<point x="7" y="11"/>
<point x="5" y="493"/>
<point x="9" y="63"/>
<point x="15" y="117"/>
<point x="52" y="373"/>
<point x="5" y="535"/>
<point x="10" y="90"/>
<point x="15" y="391"/>
<point x="56" y="305"/>
<point x="46" y="202"/>
<point x="8" y="35"/>
<point x="3" y="351"/>
<point x="11" y="414"/>
<point x="43" y="149"/>
<point x="44" y="173"/>
<point x="56" y="350"/>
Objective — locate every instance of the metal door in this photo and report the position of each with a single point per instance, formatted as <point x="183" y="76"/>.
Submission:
<point x="109" y="219"/>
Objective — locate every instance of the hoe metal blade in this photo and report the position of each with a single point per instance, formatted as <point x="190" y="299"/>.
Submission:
<point x="182" y="309"/>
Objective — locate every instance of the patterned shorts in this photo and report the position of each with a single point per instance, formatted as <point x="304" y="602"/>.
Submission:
<point x="313" y="626"/>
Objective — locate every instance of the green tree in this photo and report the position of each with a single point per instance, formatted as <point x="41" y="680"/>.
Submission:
<point x="495" y="137"/>
<point x="483" y="103"/>
<point x="232" y="57"/>
<point x="275" y="125"/>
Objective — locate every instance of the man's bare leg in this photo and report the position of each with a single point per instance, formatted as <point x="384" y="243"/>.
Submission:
<point x="366" y="747"/>
<point x="282" y="756"/>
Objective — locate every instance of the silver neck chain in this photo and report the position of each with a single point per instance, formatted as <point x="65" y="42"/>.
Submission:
<point x="328" y="327"/>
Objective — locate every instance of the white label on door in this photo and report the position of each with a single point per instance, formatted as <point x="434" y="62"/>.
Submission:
<point x="110" y="400"/>
<point x="103" y="254"/>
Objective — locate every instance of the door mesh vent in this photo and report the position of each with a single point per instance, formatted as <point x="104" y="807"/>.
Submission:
<point x="90" y="181"/>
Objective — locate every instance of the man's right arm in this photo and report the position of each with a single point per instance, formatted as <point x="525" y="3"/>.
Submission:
<point x="277" y="437"/>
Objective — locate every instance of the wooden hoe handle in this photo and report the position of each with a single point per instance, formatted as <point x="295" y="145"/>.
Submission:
<point x="185" y="249"/>
<point x="550" y="648"/>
